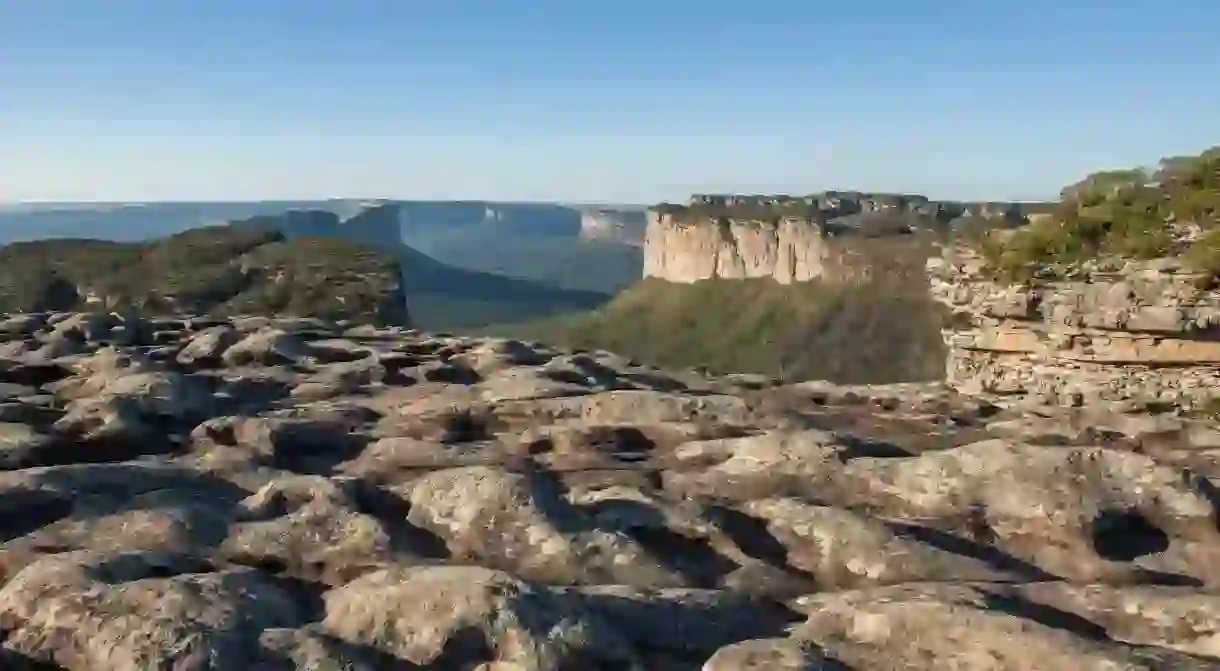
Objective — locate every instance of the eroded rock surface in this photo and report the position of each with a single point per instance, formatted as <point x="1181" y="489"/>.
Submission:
<point x="295" y="494"/>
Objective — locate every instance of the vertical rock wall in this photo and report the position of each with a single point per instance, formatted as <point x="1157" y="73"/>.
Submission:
<point x="792" y="250"/>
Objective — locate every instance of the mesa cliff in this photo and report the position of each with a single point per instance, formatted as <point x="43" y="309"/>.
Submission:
<point x="791" y="239"/>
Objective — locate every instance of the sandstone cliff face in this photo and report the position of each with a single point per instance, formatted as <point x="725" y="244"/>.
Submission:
<point x="791" y="250"/>
<point x="1131" y="333"/>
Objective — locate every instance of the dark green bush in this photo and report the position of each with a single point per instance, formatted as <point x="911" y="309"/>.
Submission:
<point x="1129" y="213"/>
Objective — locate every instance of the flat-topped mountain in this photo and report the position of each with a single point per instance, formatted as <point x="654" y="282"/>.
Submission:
<point x="135" y="222"/>
<point x="797" y="239"/>
<point x="375" y="225"/>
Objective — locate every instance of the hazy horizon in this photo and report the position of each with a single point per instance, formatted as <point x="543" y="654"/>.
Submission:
<point x="136" y="203"/>
<point x="633" y="102"/>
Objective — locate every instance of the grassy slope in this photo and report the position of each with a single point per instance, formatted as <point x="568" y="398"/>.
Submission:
<point x="882" y="330"/>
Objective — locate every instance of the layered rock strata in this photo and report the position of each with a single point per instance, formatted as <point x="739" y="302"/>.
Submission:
<point x="273" y="494"/>
<point x="1127" y="332"/>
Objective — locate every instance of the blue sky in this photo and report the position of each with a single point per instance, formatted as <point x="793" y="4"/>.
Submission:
<point x="625" y="101"/>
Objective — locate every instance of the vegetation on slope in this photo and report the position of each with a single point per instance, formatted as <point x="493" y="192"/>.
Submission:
<point x="216" y="270"/>
<point x="1141" y="214"/>
<point x="884" y="329"/>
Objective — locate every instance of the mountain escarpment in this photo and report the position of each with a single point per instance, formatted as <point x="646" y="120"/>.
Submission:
<point x="790" y="239"/>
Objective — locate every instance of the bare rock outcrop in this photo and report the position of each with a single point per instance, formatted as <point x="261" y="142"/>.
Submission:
<point x="275" y="494"/>
<point x="1137" y="333"/>
<point x="792" y="250"/>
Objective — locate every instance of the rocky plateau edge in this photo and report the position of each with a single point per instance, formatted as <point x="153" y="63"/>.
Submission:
<point x="1131" y="334"/>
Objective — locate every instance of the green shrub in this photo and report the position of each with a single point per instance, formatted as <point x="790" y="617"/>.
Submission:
<point x="1128" y="213"/>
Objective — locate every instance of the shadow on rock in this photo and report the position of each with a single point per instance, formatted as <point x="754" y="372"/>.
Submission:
<point x="11" y="660"/>
<point x="691" y="557"/>
<point x="25" y="511"/>
<point x="313" y="449"/>
<point x="391" y="512"/>
<point x="31" y="374"/>
<point x="863" y="447"/>
<point x="988" y="554"/>
<point x="1047" y="616"/>
<point x="691" y="626"/>
<point x="1126" y="536"/>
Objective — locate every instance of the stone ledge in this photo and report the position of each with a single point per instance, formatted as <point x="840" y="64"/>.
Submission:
<point x="1131" y="332"/>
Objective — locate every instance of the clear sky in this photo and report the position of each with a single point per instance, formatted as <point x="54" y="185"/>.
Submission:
<point x="622" y="101"/>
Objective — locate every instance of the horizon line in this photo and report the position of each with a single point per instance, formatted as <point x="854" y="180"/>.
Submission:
<point x="510" y="201"/>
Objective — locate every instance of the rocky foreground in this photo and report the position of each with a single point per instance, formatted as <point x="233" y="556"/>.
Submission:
<point x="258" y="494"/>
